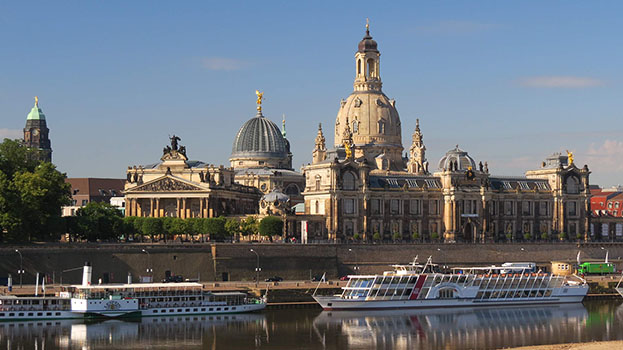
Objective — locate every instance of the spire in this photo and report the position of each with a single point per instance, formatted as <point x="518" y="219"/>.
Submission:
<point x="417" y="161"/>
<point x="367" y="26"/>
<point x="367" y="62"/>
<point x="320" y="150"/>
<point x="283" y="126"/>
<point x="36" y="101"/>
<point x="36" y="113"/>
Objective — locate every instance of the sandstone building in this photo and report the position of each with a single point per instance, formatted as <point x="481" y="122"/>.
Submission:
<point x="364" y="185"/>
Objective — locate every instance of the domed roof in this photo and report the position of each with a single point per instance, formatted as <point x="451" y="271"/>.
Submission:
<point x="367" y="43"/>
<point x="259" y="137"/>
<point x="462" y="159"/>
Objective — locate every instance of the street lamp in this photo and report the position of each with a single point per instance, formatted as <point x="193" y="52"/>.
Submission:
<point x="356" y="260"/>
<point x="149" y="269"/>
<point x="257" y="267"/>
<point x="21" y="267"/>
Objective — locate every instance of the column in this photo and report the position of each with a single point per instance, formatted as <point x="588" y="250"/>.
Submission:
<point x="177" y="208"/>
<point x="201" y="213"/>
<point x="152" y="209"/>
<point x="158" y="214"/>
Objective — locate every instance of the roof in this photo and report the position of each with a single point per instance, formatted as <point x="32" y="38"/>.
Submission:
<point x="266" y="171"/>
<point x="36" y="113"/>
<point x="96" y="187"/>
<point x="503" y="183"/>
<point x="393" y="181"/>
<point x="259" y="137"/>
<point x="190" y="163"/>
<point x="176" y="285"/>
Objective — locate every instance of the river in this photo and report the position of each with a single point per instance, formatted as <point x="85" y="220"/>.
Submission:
<point x="448" y="329"/>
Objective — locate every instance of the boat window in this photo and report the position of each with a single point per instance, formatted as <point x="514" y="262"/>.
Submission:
<point x="156" y="311"/>
<point x="1" y="314"/>
<point x="48" y="314"/>
<point x="179" y="310"/>
<point x="211" y="309"/>
<point x="20" y="314"/>
<point x="30" y="314"/>
<point x="11" y="314"/>
<point x="203" y="309"/>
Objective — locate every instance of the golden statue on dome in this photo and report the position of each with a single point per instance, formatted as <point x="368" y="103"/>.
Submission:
<point x="570" y="157"/>
<point x="260" y="97"/>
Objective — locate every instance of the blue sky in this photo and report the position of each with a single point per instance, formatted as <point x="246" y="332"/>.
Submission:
<point x="510" y="82"/>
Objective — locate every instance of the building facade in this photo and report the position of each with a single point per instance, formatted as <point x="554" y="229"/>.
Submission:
<point x="363" y="186"/>
<point x="88" y="189"/>
<point x="178" y="187"/>
<point x="37" y="134"/>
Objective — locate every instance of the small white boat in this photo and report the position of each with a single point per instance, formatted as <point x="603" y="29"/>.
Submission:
<point x="420" y="286"/>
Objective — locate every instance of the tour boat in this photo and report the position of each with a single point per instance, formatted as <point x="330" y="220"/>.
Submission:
<point x="127" y="300"/>
<point x="418" y="286"/>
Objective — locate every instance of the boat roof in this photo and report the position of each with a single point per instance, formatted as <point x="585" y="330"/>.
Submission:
<point x="30" y="297"/>
<point x="175" y="285"/>
<point x="492" y="267"/>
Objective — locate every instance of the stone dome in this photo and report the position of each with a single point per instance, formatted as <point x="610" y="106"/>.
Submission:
<point x="259" y="137"/>
<point x="462" y="159"/>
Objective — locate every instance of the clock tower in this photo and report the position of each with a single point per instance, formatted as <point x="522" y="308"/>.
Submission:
<point x="36" y="133"/>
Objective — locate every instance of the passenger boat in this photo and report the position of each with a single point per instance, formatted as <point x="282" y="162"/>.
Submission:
<point x="127" y="300"/>
<point x="417" y="286"/>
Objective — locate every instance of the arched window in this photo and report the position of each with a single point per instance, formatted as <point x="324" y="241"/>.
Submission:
<point x="348" y="181"/>
<point x="573" y="185"/>
<point x="292" y="190"/>
<point x="358" y="67"/>
<point x="317" y="207"/>
<point x="317" y="182"/>
<point x="355" y="126"/>
<point x="381" y="127"/>
<point x="371" y="68"/>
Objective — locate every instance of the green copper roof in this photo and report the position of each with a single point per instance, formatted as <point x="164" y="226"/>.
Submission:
<point x="36" y="113"/>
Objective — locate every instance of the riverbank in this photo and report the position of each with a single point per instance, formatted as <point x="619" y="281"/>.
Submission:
<point x="601" y="345"/>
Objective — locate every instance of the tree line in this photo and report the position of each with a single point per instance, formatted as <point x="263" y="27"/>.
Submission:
<point x="103" y="222"/>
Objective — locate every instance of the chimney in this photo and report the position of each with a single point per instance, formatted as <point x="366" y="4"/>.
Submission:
<point x="86" y="274"/>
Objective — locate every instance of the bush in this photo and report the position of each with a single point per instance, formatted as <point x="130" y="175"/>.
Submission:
<point x="579" y="236"/>
<point x="415" y="236"/>
<point x="356" y="236"/>
<point x="376" y="236"/>
<point x="396" y="236"/>
<point x="545" y="236"/>
<point x="563" y="236"/>
<point x="435" y="236"/>
<point x="527" y="236"/>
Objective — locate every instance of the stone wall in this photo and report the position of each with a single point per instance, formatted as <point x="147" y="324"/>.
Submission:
<point x="214" y="262"/>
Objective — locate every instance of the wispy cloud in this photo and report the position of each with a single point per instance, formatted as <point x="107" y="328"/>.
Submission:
<point x="10" y="134"/>
<point x="224" y="63"/>
<point x="565" y="82"/>
<point x="605" y="158"/>
<point x="451" y="27"/>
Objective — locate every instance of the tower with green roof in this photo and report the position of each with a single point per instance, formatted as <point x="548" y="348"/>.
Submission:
<point x="36" y="133"/>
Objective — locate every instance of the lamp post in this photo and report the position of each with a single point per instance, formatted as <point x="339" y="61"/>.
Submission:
<point x="356" y="260"/>
<point x="257" y="267"/>
<point x="149" y="269"/>
<point x="21" y="267"/>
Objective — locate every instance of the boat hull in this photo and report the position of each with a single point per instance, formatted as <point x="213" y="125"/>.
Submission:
<point x="336" y="303"/>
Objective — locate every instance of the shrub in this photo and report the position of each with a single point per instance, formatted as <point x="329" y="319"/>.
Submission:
<point x="356" y="236"/>
<point x="396" y="236"/>
<point x="545" y="236"/>
<point x="435" y="236"/>
<point x="415" y="236"/>
<point x="376" y="236"/>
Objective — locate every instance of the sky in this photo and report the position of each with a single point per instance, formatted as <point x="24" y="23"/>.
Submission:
<point x="509" y="82"/>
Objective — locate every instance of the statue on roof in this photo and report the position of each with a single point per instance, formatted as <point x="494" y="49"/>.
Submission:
<point x="174" y="140"/>
<point x="260" y="97"/>
<point x="570" y="157"/>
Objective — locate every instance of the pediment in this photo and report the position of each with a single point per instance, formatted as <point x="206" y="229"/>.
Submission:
<point x="166" y="184"/>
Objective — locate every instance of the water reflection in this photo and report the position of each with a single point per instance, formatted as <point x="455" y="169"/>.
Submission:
<point x="461" y="328"/>
<point x="483" y="328"/>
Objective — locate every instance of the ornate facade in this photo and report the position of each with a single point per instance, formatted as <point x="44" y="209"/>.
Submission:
<point x="37" y="134"/>
<point x="364" y="186"/>
<point x="178" y="187"/>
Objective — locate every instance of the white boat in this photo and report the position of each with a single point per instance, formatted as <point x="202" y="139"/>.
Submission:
<point x="618" y="287"/>
<point x="127" y="300"/>
<point x="420" y="286"/>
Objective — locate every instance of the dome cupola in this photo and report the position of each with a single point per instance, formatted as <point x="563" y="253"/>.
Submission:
<point x="259" y="143"/>
<point x="456" y="159"/>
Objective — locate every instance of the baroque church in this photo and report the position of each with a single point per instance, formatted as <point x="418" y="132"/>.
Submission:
<point x="363" y="185"/>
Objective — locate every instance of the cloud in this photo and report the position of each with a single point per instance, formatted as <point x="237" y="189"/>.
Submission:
<point x="453" y="27"/>
<point x="605" y="158"/>
<point x="560" y="82"/>
<point x="223" y="63"/>
<point x="10" y="134"/>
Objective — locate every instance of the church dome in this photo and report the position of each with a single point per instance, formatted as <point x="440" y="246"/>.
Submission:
<point x="367" y="43"/>
<point x="261" y="141"/>
<point x="462" y="159"/>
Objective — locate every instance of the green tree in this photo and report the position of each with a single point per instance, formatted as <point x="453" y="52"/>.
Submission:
<point x="151" y="227"/>
<point x="31" y="195"/>
<point x="249" y="226"/>
<point x="232" y="227"/>
<point x="99" y="221"/>
<point x="271" y="226"/>
<point x="215" y="228"/>
<point x="173" y="227"/>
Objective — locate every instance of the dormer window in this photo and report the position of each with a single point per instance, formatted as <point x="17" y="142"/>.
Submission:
<point x="381" y="127"/>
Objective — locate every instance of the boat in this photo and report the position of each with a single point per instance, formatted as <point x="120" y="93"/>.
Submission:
<point x="618" y="287"/>
<point x="420" y="286"/>
<point x="127" y="300"/>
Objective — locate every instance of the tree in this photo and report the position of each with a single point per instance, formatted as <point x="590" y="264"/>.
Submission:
<point x="151" y="227"/>
<point x="31" y="195"/>
<point x="271" y="226"/>
<point x="249" y="226"/>
<point x="215" y="227"/>
<point x="99" y="221"/>
<point x="232" y="227"/>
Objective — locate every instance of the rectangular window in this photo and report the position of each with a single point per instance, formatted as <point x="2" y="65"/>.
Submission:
<point x="414" y="207"/>
<point x="492" y="208"/>
<point x="412" y="183"/>
<point x="507" y="185"/>
<point x="527" y="208"/>
<point x="524" y="185"/>
<point x="349" y="206"/>
<point x="85" y="202"/>
<point x="572" y="210"/>
<point x="543" y="208"/>
<point x="508" y="208"/>
<point x="433" y="207"/>
<point x="74" y="202"/>
<point x="395" y="206"/>
<point x="431" y="183"/>
<point x="375" y="206"/>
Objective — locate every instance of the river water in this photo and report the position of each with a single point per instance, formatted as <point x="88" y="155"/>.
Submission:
<point x="448" y="329"/>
